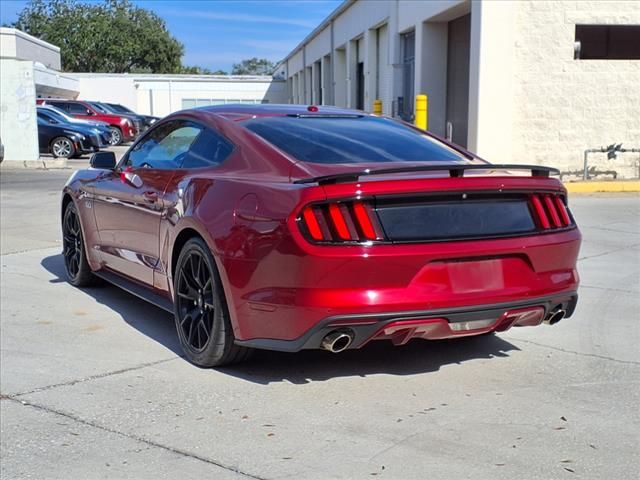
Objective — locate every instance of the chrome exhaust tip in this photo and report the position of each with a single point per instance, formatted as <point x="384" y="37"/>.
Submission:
<point x="337" y="341"/>
<point x="555" y="316"/>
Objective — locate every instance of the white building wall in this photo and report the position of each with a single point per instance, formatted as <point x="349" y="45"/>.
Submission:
<point x="529" y="100"/>
<point x="18" y="127"/>
<point x="491" y="80"/>
<point x="17" y="44"/>
<point x="161" y="95"/>
<point x="412" y="13"/>
<point x="112" y="88"/>
<point x="358" y="18"/>
<point x="563" y="106"/>
<point x="319" y="46"/>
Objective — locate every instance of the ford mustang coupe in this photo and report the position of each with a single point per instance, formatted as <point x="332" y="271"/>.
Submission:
<point x="290" y="227"/>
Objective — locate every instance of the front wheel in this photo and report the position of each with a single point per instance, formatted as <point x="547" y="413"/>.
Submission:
<point x="201" y="314"/>
<point x="62" y="147"/>
<point x="75" y="259"/>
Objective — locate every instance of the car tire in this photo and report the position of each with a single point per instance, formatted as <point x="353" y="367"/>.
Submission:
<point x="200" y="309"/>
<point x="76" y="266"/>
<point x="62" y="147"/>
<point x="116" y="136"/>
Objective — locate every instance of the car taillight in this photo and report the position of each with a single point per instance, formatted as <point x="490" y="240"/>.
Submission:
<point x="339" y="222"/>
<point x="550" y="211"/>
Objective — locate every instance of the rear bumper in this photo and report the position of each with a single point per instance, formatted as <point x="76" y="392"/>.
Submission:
<point x="284" y="296"/>
<point x="400" y="327"/>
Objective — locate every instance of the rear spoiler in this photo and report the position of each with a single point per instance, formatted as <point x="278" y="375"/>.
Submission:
<point x="454" y="171"/>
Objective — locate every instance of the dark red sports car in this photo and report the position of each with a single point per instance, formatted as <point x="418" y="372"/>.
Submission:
<point x="293" y="227"/>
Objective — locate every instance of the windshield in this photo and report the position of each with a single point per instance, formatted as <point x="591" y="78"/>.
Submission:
<point x="351" y="139"/>
<point x="100" y="107"/>
<point x="119" y="108"/>
<point x="56" y="111"/>
<point x="50" y="114"/>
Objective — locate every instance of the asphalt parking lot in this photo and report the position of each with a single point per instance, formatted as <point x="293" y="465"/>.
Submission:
<point x="93" y="385"/>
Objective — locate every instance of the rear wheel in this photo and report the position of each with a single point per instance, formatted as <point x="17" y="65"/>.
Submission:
<point x="62" y="147"/>
<point x="75" y="259"/>
<point x="201" y="314"/>
<point x="116" y="136"/>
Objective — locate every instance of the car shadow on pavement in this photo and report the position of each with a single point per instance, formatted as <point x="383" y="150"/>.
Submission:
<point x="416" y="357"/>
<point x="264" y="367"/>
<point x="148" y="319"/>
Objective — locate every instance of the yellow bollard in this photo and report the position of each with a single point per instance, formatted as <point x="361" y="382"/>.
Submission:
<point x="422" y="113"/>
<point x="377" y="107"/>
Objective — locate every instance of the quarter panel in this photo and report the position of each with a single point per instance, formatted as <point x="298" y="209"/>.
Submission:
<point x="76" y="188"/>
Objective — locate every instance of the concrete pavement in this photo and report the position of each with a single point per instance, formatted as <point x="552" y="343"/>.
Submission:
<point x="93" y="385"/>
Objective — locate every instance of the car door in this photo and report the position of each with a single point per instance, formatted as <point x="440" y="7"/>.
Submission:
<point x="129" y="202"/>
<point x="207" y="151"/>
<point x="45" y="135"/>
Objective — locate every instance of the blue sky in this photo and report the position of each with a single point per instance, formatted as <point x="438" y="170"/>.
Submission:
<point x="218" y="33"/>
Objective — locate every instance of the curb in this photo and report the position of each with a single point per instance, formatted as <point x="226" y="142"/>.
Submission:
<point x="604" y="187"/>
<point x="41" y="163"/>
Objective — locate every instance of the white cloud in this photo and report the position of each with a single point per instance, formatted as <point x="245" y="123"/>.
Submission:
<point x="281" y="46"/>
<point x="240" y="17"/>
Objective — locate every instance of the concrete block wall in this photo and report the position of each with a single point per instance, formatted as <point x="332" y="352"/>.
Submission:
<point x="563" y="106"/>
<point x="18" y="127"/>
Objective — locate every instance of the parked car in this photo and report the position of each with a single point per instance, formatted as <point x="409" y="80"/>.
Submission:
<point x="100" y="134"/>
<point x="69" y="119"/>
<point x="63" y="141"/>
<point x="292" y="227"/>
<point x="147" y="120"/>
<point x="122" y="127"/>
<point x="137" y="120"/>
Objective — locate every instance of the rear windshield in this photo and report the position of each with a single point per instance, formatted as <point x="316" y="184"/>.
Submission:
<point x="354" y="139"/>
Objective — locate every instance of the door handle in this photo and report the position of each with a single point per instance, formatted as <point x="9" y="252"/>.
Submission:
<point x="150" y="197"/>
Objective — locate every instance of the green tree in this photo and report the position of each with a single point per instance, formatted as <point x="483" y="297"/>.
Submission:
<point x="254" y="66"/>
<point x="195" y="70"/>
<point x="113" y="36"/>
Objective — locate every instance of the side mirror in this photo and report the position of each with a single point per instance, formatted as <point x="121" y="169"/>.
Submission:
<point x="103" y="160"/>
<point x="89" y="112"/>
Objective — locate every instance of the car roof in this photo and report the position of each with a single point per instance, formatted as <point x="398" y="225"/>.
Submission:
<point x="269" y="110"/>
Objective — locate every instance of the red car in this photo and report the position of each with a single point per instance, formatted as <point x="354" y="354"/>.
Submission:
<point x="292" y="227"/>
<point x="123" y="128"/>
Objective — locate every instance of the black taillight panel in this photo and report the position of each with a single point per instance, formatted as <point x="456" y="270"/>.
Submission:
<point x="434" y="218"/>
<point x="458" y="220"/>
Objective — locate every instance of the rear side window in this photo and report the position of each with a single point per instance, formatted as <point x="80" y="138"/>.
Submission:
<point x="46" y="118"/>
<point x="208" y="150"/>
<point x="62" y="105"/>
<point x="353" y="139"/>
<point x="77" y="109"/>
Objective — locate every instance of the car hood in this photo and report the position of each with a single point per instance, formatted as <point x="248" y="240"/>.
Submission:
<point x="84" y="130"/>
<point x="90" y="123"/>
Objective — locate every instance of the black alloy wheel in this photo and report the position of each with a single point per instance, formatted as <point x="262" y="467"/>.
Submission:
<point x="201" y="314"/>
<point x="75" y="260"/>
<point x="195" y="301"/>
